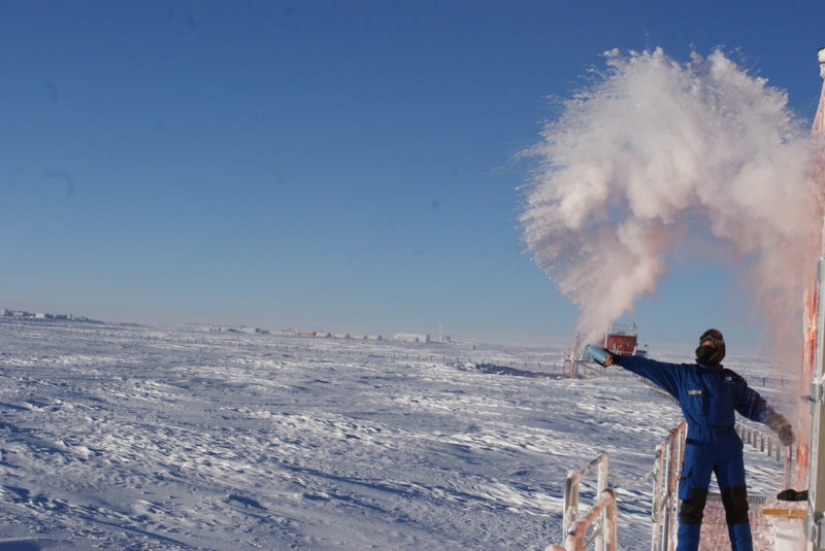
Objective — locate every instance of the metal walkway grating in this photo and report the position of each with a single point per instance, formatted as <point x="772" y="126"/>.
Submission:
<point x="715" y="529"/>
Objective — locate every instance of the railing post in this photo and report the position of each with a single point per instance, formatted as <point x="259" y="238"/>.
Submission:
<point x="571" y="524"/>
<point x="605" y="508"/>
<point x="665" y="502"/>
<point x="611" y="522"/>
<point x="675" y="470"/>
<point x="658" y="471"/>
<point x="668" y="513"/>
<point x="603" y="478"/>
<point x="571" y="504"/>
<point x="788" y="466"/>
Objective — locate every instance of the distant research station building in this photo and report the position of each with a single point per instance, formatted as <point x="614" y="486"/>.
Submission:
<point x="412" y="337"/>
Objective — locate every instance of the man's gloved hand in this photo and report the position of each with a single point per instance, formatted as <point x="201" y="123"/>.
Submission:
<point x="783" y="429"/>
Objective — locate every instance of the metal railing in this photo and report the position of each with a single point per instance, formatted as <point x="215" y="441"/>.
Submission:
<point x="765" y="443"/>
<point x="601" y="517"/>
<point x="604" y="514"/>
<point x="667" y="471"/>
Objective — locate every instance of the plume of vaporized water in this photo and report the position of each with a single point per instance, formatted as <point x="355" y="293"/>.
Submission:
<point x="660" y="163"/>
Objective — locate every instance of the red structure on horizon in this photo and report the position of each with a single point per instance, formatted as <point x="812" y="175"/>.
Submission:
<point x="622" y="341"/>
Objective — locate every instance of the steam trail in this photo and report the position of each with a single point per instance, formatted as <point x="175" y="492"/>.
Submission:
<point x="661" y="163"/>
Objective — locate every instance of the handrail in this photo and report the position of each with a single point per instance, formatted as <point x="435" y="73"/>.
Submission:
<point x="667" y="471"/>
<point x="571" y="489"/>
<point x="605" y="513"/>
<point x="602" y="516"/>
<point x="793" y="455"/>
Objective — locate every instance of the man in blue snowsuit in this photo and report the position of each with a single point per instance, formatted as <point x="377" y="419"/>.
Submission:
<point x="708" y="395"/>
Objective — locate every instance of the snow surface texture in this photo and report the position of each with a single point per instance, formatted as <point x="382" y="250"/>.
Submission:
<point x="660" y="165"/>
<point x="124" y="437"/>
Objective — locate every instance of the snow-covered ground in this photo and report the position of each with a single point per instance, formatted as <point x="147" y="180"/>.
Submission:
<point x="128" y="437"/>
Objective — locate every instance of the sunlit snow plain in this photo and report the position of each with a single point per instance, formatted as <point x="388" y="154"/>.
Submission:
<point x="121" y="436"/>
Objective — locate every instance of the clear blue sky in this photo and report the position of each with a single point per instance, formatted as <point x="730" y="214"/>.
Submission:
<point x="326" y="164"/>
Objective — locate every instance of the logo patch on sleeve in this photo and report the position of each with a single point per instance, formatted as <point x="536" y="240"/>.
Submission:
<point x="695" y="392"/>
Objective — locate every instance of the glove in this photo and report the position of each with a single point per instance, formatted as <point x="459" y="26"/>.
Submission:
<point x="783" y="429"/>
<point x="600" y="355"/>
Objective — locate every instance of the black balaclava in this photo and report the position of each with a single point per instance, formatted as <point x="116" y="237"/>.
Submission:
<point x="711" y="348"/>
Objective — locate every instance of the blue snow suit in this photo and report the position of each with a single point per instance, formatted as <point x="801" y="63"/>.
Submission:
<point x="708" y="396"/>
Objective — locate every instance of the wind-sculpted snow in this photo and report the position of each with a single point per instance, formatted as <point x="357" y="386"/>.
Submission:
<point x="125" y="438"/>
